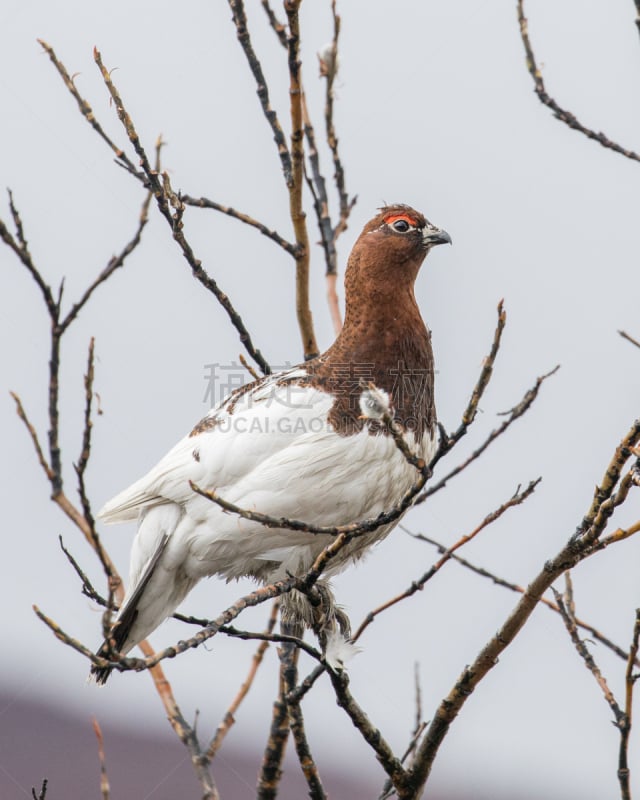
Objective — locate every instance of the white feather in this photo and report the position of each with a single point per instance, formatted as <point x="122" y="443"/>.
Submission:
<point x="271" y="450"/>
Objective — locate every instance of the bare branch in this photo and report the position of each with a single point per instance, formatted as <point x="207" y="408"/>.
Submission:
<point x="417" y="586"/>
<point x="20" y="247"/>
<point x="289" y="678"/>
<point x="296" y="207"/>
<point x="630" y="680"/>
<point x="329" y="70"/>
<point x="624" y="334"/>
<point x="278" y="27"/>
<point x="347" y="532"/>
<point x="164" y="198"/>
<point x="391" y="765"/>
<point x="271" y="767"/>
<point x="578" y="548"/>
<point x="114" y="263"/>
<point x="514" y="587"/>
<point x="34" y="436"/>
<point x="447" y="442"/>
<point x="622" y="721"/>
<point x="43" y="791"/>
<point x="560" y="113"/>
<point x="203" y="202"/>
<point x="87" y="111"/>
<point x="515" y="413"/>
<point x="229" y="718"/>
<point x="105" y="789"/>
<point x="242" y="32"/>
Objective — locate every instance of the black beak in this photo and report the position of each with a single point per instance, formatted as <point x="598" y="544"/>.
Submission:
<point x="433" y="236"/>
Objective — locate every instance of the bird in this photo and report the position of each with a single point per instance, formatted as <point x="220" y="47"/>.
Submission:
<point x="302" y="444"/>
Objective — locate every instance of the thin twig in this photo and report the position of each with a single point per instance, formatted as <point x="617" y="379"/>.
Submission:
<point x="229" y="718"/>
<point x="165" y="199"/>
<point x="576" y="550"/>
<point x="350" y="530"/>
<point x="271" y="767"/>
<point x="43" y="791"/>
<point x="262" y="89"/>
<point x="391" y="765"/>
<point x="105" y="789"/>
<point x="289" y="679"/>
<point x="587" y="657"/>
<point x="296" y="186"/>
<point x="203" y="202"/>
<point x="278" y="27"/>
<point x="514" y="587"/>
<point x="515" y="413"/>
<point x="115" y="262"/>
<point x="630" y="681"/>
<point x="624" y="334"/>
<point x="417" y="586"/>
<point x="560" y="113"/>
<point x="448" y="441"/>
<point x="87" y="111"/>
<point x="329" y="70"/>
<point x="622" y="721"/>
<point x="213" y="628"/>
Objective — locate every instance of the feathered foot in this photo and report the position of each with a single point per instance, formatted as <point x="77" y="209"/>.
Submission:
<point x="327" y="620"/>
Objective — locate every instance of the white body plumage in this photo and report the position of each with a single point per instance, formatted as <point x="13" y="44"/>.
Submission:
<point x="270" y="449"/>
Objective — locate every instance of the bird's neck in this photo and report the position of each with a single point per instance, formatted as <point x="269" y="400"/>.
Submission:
<point x="385" y="343"/>
<point x="382" y="329"/>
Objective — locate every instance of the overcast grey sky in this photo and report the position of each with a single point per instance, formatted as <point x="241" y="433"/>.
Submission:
<point x="434" y="108"/>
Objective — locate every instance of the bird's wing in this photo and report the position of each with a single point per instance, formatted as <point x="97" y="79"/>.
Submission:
<point x="248" y="428"/>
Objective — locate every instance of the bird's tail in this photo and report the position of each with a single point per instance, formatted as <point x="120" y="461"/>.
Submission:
<point x="121" y="629"/>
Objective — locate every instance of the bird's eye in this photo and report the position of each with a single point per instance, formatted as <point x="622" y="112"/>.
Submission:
<point x="401" y="223"/>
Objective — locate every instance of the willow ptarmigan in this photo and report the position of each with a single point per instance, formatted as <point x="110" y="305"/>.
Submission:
<point x="293" y="444"/>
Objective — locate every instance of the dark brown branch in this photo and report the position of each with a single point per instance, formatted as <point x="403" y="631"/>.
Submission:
<point x="587" y="657"/>
<point x="329" y="70"/>
<point x="242" y="32"/>
<point x="577" y="549"/>
<point x="43" y="791"/>
<point x="229" y="717"/>
<point x="514" y="587"/>
<point x="113" y="580"/>
<point x="20" y="247"/>
<point x="289" y="679"/>
<point x="115" y="262"/>
<point x="165" y="200"/>
<point x="87" y="111"/>
<point x="271" y="767"/>
<point x="33" y="435"/>
<point x="203" y="202"/>
<point x="53" y="466"/>
<point x="630" y="680"/>
<point x="515" y="413"/>
<point x="391" y="765"/>
<point x="350" y="530"/>
<point x="622" y="721"/>
<point x="560" y="113"/>
<point x="417" y="586"/>
<point x="278" y="27"/>
<point x="448" y="441"/>
<point x="624" y="334"/>
<point x="124" y="664"/>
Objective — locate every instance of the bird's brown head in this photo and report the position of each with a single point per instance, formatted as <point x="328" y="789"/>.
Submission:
<point x="390" y="250"/>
